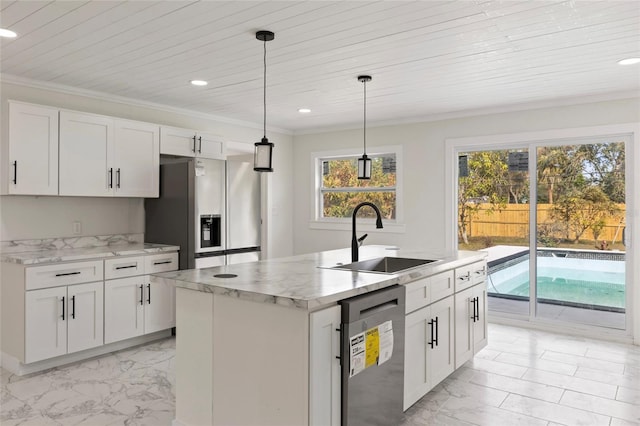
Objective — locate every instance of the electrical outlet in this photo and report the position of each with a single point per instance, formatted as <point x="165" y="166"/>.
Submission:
<point x="77" y="227"/>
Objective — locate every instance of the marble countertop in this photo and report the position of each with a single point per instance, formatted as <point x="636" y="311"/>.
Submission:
<point x="306" y="281"/>
<point x="86" y="253"/>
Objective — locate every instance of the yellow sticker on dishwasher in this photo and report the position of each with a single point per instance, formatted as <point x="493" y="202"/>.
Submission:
<point x="372" y="347"/>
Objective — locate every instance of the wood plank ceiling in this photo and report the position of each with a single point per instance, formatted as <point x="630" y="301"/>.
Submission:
<point x="427" y="57"/>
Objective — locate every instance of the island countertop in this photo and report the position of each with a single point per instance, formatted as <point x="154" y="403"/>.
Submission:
<point x="306" y="281"/>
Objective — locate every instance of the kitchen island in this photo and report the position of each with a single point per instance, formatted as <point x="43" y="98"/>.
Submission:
<point x="257" y="342"/>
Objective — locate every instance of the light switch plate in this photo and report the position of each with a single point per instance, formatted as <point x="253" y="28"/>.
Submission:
<point x="77" y="227"/>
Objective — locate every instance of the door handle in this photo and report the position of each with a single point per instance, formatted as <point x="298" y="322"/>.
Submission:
<point x="141" y="294"/>
<point x="473" y="302"/>
<point x="432" y="342"/>
<point x="110" y="173"/>
<point x="118" y="178"/>
<point x="149" y="293"/>
<point x="194" y="143"/>
<point x="200" y="144"/>
<point x="62" y="308"/>
<point x="73" y="307"/>
<point x="436" y="338"/>
<point x="15" y="172"/>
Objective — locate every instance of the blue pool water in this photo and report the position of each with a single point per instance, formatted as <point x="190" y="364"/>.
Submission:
<point x="576" y="281"/>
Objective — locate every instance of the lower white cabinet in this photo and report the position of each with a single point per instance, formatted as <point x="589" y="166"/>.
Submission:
<point x="324" y="367"/>
<point x="63" y="320"/>
<point x="134" y="306"/>
<point x="429" y="348"/>
<point x="471" y="322"/>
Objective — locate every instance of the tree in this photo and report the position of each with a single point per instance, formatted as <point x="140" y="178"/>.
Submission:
<point x="604" y="165"/>
<point x="585" y="209"/>
<point x="488" y="181"/>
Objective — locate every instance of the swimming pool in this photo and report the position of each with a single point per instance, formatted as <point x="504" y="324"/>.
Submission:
<point x="581" y="282"/>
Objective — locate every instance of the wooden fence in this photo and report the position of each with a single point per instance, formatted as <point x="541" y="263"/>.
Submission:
<point x="513" y="221"/>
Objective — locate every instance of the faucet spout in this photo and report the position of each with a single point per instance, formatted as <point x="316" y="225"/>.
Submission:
<point x="354" y="239"/>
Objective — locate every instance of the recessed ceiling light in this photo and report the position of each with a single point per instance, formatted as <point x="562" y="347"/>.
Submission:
<point x="7" y="33"/>
<point x="304" y="110"/>
<point x="199" y="82"/>
<point x="629" y="61"/>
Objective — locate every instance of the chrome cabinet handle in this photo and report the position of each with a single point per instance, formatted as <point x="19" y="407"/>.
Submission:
<point x="67" y="274"/>
<point x="141" y="294"/>
<point x="110" y="173"/>
<point x="118" y="178"/>
<point x="149" y="293"/>
<point x="62" y="308"/>
<point x="15" y="172"/>
<point x="194" y="143"/>
<point x="73" y="307"/>
<point x="200" y="145"/>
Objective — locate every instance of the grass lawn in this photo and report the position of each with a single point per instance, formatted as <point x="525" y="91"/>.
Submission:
<point x="476" y="243"/>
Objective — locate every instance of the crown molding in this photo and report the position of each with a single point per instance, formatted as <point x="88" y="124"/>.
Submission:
<point x="476" y="112"/>
<point x="70" y="90"/>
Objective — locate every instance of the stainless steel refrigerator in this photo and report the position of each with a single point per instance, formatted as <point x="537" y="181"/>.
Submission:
<point x="194" y="212"/>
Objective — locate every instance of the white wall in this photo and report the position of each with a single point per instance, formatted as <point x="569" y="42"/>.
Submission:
<point x="26" y="217"/>
<point x="424" y="166"/>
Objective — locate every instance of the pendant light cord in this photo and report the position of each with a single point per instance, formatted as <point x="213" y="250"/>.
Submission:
<point x="264" y="93"/>
<point x="365" y="117"/>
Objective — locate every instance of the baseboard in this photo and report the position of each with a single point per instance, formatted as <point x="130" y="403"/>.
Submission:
<point x="14" y="365"/>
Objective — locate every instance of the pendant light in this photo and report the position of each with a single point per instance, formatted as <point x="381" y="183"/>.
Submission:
<point x="262" y="159"/>
<point x="364" y="162"/>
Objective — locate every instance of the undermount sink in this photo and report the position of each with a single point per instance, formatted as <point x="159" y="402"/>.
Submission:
<point x="385" y="265"/>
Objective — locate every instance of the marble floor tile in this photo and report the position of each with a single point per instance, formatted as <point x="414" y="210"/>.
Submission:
<point x="533" y="361"/>
<point x="518" y="386"/>
<point x="553" y="412"/>
<point x="572" y="383"/>
<point x="590" y="383"/>
<point x="605" y="406"/>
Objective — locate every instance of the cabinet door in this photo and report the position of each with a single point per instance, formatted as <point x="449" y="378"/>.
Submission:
<point x="416" y="335"/>
<point x="480" y="325"/>
<point x="160" y="305"/>
<point x="123" y="308"/>
<point x="176" y="141"/>
<point x="45" y="323"/>
<point x="209" y="146"/>
<point x="441" y="357"/>
<point x="85" y="327"/>
<point x="324" y="367"/>
<point x="86" y="154"/>
<point x="33" y="150"/>
<point x="464" y="326"/>
<point x="137" y="159"/>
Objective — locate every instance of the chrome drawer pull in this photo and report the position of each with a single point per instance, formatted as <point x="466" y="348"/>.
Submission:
<point x="67" y="273"/>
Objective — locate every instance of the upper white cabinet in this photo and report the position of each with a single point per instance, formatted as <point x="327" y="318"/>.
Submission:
<point x="103" y="156"/>
<point x="136" y="159"/>
<point x="32" y="167"/>
<point x="189" y="143"/>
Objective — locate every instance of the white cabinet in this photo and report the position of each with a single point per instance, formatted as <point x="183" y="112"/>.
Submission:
<point x="429" y="348"/>
<point x="324" y="367"/>
<point x="32" y="166"/>
<point x="189" y="143"/>
<point x="471" y="318"/>
<point x="63" y="320"/>
<point x="103" y="156"/>
<point x="45" y="329"/>
<point x="134" y="305"/>
<point x="136" y="159"/>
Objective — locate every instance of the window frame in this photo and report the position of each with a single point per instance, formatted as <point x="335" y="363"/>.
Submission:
<point x="317" y="221"/>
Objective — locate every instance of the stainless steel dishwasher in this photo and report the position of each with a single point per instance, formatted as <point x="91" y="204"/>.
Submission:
<point x="372" y="358"/>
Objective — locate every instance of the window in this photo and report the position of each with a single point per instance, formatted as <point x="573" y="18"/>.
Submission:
<point x="339" y="191"/>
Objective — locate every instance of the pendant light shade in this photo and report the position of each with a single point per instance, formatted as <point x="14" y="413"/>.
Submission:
<point x="364" y="162"/>
<point x="263" y="156"/>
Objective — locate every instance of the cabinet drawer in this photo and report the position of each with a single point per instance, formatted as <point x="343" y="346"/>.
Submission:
<point x="441" y="285"/>
<point x="121" y="267"/>
<point x="423" y="292"/>
<point x="161" y="262"/>
<point x="417" y="295"/>
<point x="470" y="275"/>
<point x="63" y="274"/>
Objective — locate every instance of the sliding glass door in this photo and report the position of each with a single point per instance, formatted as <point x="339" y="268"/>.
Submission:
<point x="580" y="222"/>
<point x="571" y="197"/>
